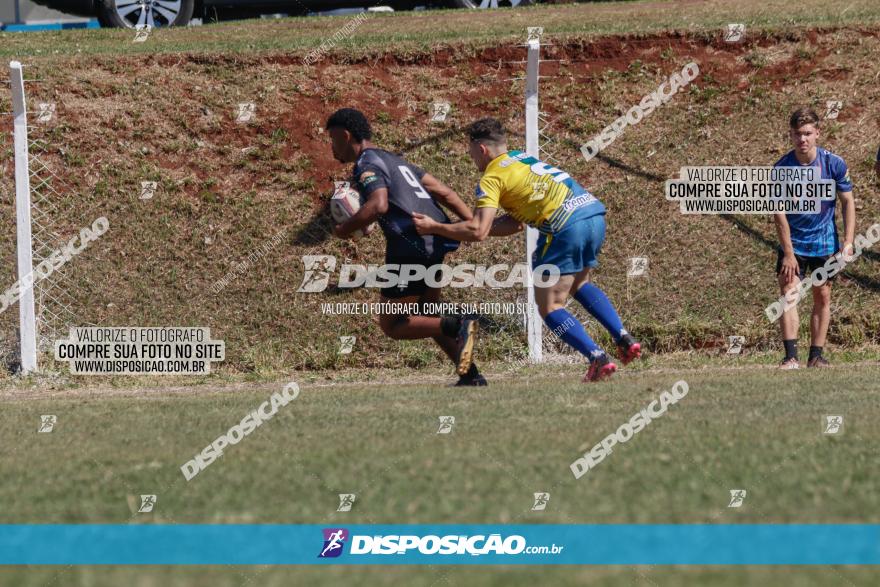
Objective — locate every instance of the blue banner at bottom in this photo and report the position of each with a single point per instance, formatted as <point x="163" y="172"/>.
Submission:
<point x="602" y="544"/>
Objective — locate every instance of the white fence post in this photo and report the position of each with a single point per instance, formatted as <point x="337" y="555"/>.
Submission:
<point x="23" y="223"/>
<point x="534" y="324"/>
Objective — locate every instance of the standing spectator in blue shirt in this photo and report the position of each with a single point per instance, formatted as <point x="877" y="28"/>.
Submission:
<point x="806" y="241"/>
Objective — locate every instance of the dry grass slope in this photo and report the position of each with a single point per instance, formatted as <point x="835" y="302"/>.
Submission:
<point x="226" y="188"/>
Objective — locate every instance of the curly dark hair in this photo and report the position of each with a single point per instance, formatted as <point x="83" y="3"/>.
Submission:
<point x="487" y="130"/>
<point x="353" y="121"/>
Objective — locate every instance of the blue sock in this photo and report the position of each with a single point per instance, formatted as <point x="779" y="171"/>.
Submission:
<point x="597" y="303"/>
<point x="569" y="329"/>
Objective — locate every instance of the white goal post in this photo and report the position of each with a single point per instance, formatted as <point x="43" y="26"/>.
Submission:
<point x="534" y="324"/>
<point x="27" y="318"/>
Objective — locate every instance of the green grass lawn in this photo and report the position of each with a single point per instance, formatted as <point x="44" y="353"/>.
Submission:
<point x="421" y="31"/>
<point x="525" y="576"/>
<point x="752" y="428"/>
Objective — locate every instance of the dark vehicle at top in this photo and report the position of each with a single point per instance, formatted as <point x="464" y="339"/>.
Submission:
<point x="160" y="13"/>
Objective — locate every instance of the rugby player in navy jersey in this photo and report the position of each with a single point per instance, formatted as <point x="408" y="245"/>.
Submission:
<point x="392" y="190"/>
<point x="806" y="241"/>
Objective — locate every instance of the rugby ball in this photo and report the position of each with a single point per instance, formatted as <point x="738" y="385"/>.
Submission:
<point x="344" y="204"/>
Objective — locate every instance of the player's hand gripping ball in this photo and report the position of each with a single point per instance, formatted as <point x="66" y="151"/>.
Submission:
<point x="344" y="204"/>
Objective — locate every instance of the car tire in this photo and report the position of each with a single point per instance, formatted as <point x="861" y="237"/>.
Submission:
<point x="476" y="3"/>
<point x="163" y="12"/>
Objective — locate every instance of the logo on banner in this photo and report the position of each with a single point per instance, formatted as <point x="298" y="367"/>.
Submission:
<point x="334" y="540"/>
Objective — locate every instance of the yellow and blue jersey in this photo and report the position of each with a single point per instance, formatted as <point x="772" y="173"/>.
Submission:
<point x="534" y="192"/>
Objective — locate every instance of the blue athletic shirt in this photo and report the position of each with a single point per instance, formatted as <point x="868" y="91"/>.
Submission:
<point x="815" y="235"/>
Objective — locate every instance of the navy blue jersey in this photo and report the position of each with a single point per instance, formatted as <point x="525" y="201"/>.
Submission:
<point x="878" y="154"/>
<point x="815" y="235"/>
<point x="375" y="169"/>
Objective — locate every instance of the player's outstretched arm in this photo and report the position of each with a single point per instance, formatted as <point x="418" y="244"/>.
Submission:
<point x="505" y="226"/>
<point x="475" y="229"/>
<point x="446" y="196"/>
<point x="375" y="206"/>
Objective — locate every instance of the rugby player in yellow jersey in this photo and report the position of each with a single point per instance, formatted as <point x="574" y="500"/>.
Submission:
<point x="572" y="225"/>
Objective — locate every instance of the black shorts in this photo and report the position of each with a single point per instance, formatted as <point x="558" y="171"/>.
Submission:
<point x="805" y="264"/>
<point x="411" y="288"/>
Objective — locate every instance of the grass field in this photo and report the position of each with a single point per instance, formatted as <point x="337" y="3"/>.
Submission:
<point x="749" y="426"/>
<point x="744" y="427"/>
<point x="418" y="33"/>
<point x="610" y="576"/>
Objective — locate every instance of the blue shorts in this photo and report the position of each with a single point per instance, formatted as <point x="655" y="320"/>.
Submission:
<point x="576" y="246"/>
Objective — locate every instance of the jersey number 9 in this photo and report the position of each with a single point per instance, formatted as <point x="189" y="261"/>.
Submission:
<point x="411" y="180"/>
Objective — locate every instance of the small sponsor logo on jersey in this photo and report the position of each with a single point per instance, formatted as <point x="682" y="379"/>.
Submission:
<point x="367" y="177"/>
<point x="513" y="159"/>
<point x="574" y="203"/>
